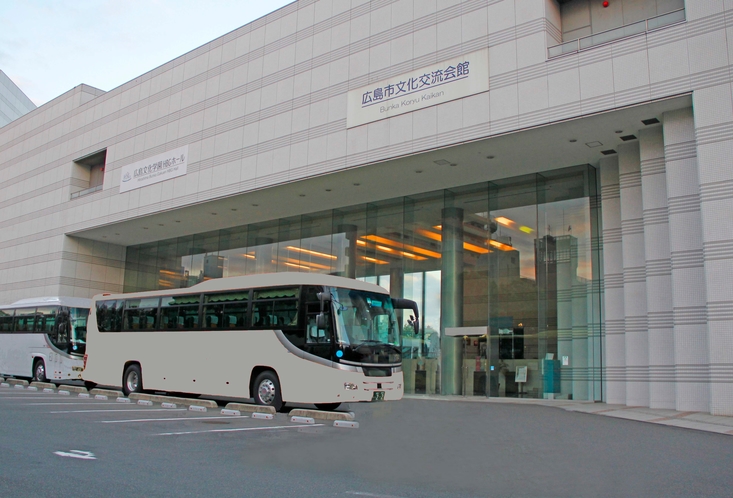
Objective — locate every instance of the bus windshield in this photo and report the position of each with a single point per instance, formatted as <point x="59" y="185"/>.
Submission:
<point x="365" y="320"/>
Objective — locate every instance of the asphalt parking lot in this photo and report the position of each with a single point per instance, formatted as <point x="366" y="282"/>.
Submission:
<point x="65" y="445"/>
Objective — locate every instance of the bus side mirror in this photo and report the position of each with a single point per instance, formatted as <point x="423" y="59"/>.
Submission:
<point x="408" y="304"/>
<point x="321" y="321"/>
<point x="323" y="298"/>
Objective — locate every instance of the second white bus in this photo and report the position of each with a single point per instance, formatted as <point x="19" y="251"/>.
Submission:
<point x="277" y="338"/>
<point x="44" y="338"/>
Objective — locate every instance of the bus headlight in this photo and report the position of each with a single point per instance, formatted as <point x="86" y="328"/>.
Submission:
<point x="350" y="386"/>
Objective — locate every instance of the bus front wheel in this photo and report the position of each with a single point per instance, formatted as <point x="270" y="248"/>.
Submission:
<point x="267" y="390"/>
<point x="39" y="370"/>
<point x="132" y="380"/>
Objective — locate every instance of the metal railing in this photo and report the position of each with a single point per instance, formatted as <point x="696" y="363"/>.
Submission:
<point x="86" y="191"/>
<point x="637" y="28"/>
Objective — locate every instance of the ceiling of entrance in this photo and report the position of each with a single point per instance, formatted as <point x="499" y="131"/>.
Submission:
<point x="558" y="145"/>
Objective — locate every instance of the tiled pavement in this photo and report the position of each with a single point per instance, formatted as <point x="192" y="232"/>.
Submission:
<point x="689" y="420"/>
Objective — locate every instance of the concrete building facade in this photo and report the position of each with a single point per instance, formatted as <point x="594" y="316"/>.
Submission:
<point x="554" y="173"/>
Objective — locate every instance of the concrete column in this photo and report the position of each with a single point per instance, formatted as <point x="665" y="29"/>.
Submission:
<point x="566" y="265"/>
<point x="658" y="269"/>
<point x="613" y="283"/>
<point x="350" y="250"/>
<point x="635" y="307"/>
<point x="713" y="123"/>
<point x="688" y="272"/>
<point x="451" y="299"/>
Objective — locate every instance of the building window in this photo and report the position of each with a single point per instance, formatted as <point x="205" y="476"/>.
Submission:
<point x="87" y="174"/>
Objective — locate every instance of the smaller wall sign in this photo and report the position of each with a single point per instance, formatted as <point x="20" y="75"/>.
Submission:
<point x="449" y="80"/>
<point x="154" y="169"/>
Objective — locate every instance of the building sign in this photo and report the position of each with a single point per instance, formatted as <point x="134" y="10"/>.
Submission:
<point x="155" y="169"/>
<point x="449" y="80"/>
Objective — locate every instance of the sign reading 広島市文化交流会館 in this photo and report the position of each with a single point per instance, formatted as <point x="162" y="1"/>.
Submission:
<point x="448" y="80"/>
<point x="154" y="169"/>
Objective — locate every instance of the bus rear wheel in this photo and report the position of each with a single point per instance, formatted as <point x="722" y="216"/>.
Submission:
<point x="267" y="390"/>
<point x="39" y="370"/>
<point x="132" y="380"/>
<point x="327" y="407"/>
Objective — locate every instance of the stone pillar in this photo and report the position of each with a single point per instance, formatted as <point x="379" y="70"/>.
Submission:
<point x="613" y="283"/>
<point x="350" y="250"/>
<point x="635" y="308"/>
<point x="658" y="269"/>
<point x="713" y="125"/>
<point x="688" y="272"/>
<point x="451" y="299"/>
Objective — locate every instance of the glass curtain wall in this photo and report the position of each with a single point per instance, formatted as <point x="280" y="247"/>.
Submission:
<point x="516" y="261"/>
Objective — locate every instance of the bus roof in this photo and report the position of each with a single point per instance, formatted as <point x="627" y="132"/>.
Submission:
<point x="260" y="280"/>
<point x="33" y="302"/>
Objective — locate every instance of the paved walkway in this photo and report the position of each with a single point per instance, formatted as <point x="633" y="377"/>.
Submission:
<point x="699" y="421"/>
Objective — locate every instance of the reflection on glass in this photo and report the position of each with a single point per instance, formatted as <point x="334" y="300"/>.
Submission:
<point x="528" y="269"/>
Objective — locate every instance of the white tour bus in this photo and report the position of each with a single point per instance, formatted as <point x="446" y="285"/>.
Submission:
<point x="282" y="337"/>
<point x="44" y="338"/>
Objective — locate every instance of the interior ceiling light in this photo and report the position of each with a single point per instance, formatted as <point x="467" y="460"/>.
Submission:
<point x="391" y="252"/>
<point x="311" y="264"/>
<point x="441" y="162"/>
<point x="501" y="220"/>
<point x="400" y="245"/>
<point x="438" y="237"/>
<point x="374" y="260"/>
<point x="593" y="144"/>
<point x="572" y="140"/>
<point x="626" y="138"/>
<point x="650" y="121"/>
<point x="500" y="245"/>
<point x="618" y="132"/>
<point x="312" y="253"/>
<point x="294" y="265"/>
<point x="608" y="152"/>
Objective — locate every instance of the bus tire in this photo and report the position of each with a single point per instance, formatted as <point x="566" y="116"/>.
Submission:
<point x="267" y="390"/>
<point x="39" y="370"/>
<point x="327" y="407"/>
<point x="132" y="380"/>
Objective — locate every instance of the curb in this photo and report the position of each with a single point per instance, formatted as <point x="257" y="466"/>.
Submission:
<point x="244" y="407"/>
<point x="302" y="420"/>
<point x="44" y="385"/>
<point x="106" y="392"/>
<point x="158" y="398"/>
<point x="16" y="382"/>
<point x="348" y="416"/>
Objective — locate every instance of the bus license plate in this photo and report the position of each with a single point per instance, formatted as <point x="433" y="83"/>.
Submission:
<point x="378" y="396"/>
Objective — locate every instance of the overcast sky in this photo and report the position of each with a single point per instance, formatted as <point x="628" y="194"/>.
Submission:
<point x="47" y="47"/>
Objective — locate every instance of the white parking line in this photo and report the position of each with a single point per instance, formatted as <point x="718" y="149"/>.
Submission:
<point x="165" y="419"/>
<point x="128" y="410"/>
<point x="279" y="427"/>
<point x="30" y="396"/>
<point x="75" y="403"/>
<point x="371" y="495"/>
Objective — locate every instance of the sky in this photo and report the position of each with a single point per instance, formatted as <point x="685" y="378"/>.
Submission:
<point x="47" y="47"/>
